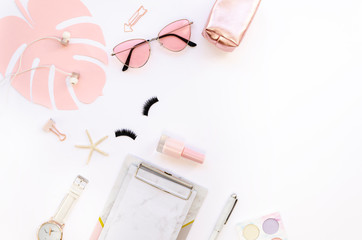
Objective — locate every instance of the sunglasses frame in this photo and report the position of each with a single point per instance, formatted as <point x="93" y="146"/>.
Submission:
<point x="187" y="41"/>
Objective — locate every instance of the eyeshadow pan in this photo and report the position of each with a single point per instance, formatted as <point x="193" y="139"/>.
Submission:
<point x="270" y="226"/>
<point x="251" y="232"/>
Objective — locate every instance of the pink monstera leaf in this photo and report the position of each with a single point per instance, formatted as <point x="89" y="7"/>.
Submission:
<point x="41" y="20"/>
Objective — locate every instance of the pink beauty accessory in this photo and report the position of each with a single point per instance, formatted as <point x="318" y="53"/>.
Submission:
<point x="177" y="149"/>
<point x="228" y="22"/>
<point x="134" y="53"/>
<point x="44" y="19"/>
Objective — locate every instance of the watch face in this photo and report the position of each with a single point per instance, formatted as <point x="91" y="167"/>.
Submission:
<point x="50" y="231"/>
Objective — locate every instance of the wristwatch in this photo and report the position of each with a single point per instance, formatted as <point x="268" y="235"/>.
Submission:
<point x="53" y="229"/>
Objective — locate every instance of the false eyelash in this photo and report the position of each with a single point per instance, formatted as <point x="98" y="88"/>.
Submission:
<point x="125" y="132"/>
<point x="148" y="104"/>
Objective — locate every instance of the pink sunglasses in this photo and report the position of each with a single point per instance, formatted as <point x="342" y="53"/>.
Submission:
<point x="135" y="53"/>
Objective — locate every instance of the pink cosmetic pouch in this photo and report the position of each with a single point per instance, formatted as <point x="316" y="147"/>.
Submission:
<point x="228" y="22"/>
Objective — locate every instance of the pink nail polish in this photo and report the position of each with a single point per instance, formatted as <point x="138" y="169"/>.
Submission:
<point x="177" y="149"/>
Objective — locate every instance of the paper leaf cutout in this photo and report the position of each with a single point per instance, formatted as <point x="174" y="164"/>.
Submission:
<point x="41" y="20"/>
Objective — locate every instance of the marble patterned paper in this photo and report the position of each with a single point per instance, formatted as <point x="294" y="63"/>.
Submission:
<point x="142" y="211"/>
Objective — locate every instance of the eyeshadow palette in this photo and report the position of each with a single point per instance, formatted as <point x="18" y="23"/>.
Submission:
<point x="269" y="227"/>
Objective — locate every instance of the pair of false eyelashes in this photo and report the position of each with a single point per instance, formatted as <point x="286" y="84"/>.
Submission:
<point x="146" y="108"/>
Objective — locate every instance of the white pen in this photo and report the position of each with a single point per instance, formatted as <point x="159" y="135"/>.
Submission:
<point x="224" y="216"/>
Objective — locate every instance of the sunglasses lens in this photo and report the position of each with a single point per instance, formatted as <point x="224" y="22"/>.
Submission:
<point x="133" y="53"/>
<point x="176" y="35"/>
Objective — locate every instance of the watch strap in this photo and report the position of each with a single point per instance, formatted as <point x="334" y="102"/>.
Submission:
<point x="70" y="199"/>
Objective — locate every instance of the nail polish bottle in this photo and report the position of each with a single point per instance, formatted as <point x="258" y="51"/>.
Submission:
<point x="177" y="149"/>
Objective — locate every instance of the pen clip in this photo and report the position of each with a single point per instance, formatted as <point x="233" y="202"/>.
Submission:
<point x="231" y="211"/>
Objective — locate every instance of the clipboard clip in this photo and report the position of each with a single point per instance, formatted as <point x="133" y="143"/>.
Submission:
<point x="164" y="181"/>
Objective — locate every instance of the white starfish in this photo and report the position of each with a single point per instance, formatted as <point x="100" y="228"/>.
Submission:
<point x="93" y="146"/>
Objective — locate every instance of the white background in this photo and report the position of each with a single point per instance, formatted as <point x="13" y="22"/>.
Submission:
<point x="279" y="118"/>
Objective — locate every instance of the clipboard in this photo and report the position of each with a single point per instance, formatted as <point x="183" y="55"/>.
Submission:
<point x="148" y="200"/>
